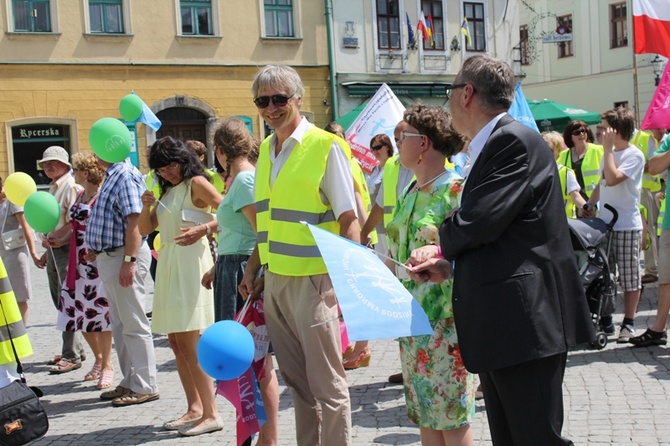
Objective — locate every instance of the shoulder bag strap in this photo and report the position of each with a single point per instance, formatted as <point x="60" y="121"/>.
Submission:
<point x="19" y="366"/>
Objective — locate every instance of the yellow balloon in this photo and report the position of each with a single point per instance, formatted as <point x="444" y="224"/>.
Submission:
<point x="18" y="187"/>
<point x="157" y="243"/>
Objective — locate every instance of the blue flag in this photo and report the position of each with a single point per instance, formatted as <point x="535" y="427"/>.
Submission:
<point x="149" y="118"/>
<point x="374" y="303"/>
<point x="411" y="41"/>
<point x="520" y="110"/>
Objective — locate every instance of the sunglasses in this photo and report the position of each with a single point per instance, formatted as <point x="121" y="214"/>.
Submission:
<point x="404" y="135"/>
<point x="277" y="99"/>
<point x="578" y="132"/>
<point x="449" y="91"/>
<point x="379" y="147"/>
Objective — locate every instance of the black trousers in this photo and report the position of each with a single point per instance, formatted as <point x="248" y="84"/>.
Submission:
<point x="524" y="403"/>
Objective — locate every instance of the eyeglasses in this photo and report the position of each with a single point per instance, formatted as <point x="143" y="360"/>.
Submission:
<point x="404" y="135"/>
<point x="277" y="99"/>
<point x="449" y="91"/>
<point x="379" y="147"/>
<point x="168" y="169"/>
<point x="578" y="132"/>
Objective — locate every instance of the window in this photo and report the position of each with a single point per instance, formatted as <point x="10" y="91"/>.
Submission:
<point x="565" y="48"/>
<point x="434" y="14"/>
<point x="474" y="12"/>
<point x="31" y="15"/>
<point x="618" y="25"/>
<point x="106" y="16"/>
<point x="623" y="104"/>
<point x="196" y="17"/>
<point x="388" y="25"/>
<point x="523" y="45"/>
<point x="278" y="18"/>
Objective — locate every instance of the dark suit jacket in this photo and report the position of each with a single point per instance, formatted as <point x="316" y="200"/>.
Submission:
<point x="517" y="293"/>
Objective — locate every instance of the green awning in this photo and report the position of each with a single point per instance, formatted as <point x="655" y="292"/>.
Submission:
<point x="552" y="115"/>
<point x="348" y="118"/>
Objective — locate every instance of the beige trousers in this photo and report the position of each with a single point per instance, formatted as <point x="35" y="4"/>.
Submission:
<point x="310" y="357"/>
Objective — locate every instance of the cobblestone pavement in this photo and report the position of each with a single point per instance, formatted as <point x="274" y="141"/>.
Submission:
<point x="616" y="396"/>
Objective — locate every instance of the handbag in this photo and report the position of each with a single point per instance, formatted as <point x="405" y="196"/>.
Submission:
<point x="22" y="417"/>
<point x="194" y="217"/>
<point x="12" y="239"/>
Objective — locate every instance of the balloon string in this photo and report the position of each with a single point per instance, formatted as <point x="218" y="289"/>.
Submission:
<point x="325" y="322"/>
<point x="53" y="257"/>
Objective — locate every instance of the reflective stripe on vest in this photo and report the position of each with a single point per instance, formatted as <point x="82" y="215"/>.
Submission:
<point x="641" y="141"/>
<point x="590" y="165"/>
<point x="284" y="244"/>
<point x="10" y="319"/>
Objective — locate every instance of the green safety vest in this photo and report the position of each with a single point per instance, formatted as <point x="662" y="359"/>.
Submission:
<point x="590" y="165"/>
<point x="661" y="215"/>
<point x="362" y="187"/>
<point x="285" y="244"/>
<point x="641" y="141"/>
<point x="11" y="322"/>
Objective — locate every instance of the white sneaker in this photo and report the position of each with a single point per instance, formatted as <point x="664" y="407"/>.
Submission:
<point x="625" y="333"/>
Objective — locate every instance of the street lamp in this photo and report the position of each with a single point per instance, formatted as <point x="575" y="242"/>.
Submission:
<point x="657" y="66"/>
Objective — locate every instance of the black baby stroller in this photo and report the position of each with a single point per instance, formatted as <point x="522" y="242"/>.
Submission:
<point x="592" y="248"/>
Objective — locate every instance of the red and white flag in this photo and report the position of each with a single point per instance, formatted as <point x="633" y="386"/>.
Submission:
<point x="651" y="26"/>
<point x="658" y="113"/>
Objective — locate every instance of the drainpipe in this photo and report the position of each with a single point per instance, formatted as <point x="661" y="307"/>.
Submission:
<point x="331" y="60"/>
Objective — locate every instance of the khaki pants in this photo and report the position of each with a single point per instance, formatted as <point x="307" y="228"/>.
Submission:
<point x="650" y="254"/>
<point x="310" y="358"/>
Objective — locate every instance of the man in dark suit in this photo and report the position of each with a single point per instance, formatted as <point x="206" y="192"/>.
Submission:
<point x="518" y="301"/>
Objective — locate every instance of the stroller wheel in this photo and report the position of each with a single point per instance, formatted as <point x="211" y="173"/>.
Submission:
<point x="600" y="341"/>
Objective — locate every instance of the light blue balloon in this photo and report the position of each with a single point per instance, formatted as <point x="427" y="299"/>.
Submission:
<point x="226" y="350"/>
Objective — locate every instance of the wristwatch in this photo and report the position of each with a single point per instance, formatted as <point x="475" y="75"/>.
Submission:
<point x="209" y="229"/>
<point x="129" y="259"/>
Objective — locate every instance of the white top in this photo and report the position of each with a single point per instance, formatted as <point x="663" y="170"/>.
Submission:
<point x="405" y="176"/>
<point x="625" y="196"/>
<point x="572" y="183"/>
<point x="337" y="185"/>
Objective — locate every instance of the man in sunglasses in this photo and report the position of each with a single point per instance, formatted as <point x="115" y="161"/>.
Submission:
<point x="303" y="174"/>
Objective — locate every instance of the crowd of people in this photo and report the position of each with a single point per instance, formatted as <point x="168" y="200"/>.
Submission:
<point x="473" y="203"/>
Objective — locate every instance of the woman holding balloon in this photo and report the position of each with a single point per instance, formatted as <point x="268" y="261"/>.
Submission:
<point x="83" y="304"/>
<point x="14" y="257"/>
<point x="182" y="308"/>
<point x="235" y="146"/>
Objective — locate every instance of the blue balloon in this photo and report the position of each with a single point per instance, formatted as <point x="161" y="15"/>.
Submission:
<point x="226" y="350"/>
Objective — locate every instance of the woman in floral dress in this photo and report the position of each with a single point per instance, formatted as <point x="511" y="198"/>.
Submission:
<point x="83" y="303"/>
<point x="439" y="391"/>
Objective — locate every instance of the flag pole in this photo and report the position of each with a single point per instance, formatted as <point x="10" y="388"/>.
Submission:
<point x="636" y="95"/>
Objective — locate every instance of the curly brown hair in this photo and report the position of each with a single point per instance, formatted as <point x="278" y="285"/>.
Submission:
<point x="435" y="123"/>
<point x="87" y="162"/>
<point x="233" y="139"/>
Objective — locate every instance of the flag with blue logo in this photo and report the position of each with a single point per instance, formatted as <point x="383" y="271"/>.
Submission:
<point x="374" y="304"/>
<point x="411" y="40"/>
<point x="520" y="110"/>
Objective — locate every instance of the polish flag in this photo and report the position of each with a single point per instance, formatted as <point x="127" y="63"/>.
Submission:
<point x="651" y="26"/>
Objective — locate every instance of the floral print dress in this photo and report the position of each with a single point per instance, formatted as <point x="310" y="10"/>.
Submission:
<point x="83" y="304"/>
<point x="439" y="391"/>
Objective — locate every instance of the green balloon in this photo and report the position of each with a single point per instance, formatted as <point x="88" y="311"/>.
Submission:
<point x="110" y="139"/>
<point x="130" y="107"/>
<point x="42" y="211"/>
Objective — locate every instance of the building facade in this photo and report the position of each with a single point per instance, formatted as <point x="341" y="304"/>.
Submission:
<point x="581" y="53"/>
<point x="373" y="44"/>
<point x="65" y="64"/>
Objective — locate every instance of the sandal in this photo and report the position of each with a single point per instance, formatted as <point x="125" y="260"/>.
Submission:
<point x="106" y="379"/>
<point x="649" y="337"/>
<point x="64" y="366"/>
<point x="94" y="373"/>
<point x="56" y="359"/>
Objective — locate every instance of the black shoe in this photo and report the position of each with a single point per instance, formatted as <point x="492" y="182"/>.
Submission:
<point x="649" y="337"/>
<point x="396" y="378"/>
<point x="609" y="330"/>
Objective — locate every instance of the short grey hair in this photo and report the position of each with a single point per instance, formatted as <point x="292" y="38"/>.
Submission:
<point x="278" y="77"/>
<point x="492" y="79"/>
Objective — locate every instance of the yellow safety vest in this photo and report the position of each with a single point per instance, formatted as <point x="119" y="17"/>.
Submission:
<point x="567" y="202"/>
<point x="362" y="187"/>
<point x="285" y="244"/>
<point x="590" y="165"/>
<point x="10" y="319"/>
<point x="641" y="141"/>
